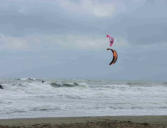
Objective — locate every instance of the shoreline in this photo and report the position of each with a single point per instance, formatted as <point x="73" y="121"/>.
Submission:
<point x="88" y="122"/>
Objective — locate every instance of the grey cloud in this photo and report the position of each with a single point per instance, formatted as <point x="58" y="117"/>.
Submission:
<point x="140" y="24"/>
<point x="143" y="26"/>
<point x="147" y="24"/>
<point x="28" y="17"/>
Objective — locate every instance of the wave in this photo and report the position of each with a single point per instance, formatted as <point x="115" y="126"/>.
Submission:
<point x="27" y="78"/>
<point x="164" y="83"/>
<point x="30" y="79"/>
<point x="33" y="83"/>
<point x="32" y="96"/>
<point x="58" y="84"/>
<point x="140" y="83"/>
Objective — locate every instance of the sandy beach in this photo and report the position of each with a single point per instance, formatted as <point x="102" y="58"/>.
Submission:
<point x="88" y="122"/>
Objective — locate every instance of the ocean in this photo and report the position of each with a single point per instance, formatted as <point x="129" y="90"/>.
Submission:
<point x="30" y="97"/>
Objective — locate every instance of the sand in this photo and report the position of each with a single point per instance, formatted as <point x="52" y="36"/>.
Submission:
<point x="88" y="122"/>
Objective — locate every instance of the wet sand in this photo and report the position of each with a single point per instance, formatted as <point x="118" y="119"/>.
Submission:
<point x="88" y="122"/>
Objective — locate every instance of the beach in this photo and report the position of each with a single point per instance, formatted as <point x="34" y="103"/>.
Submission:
<point x="87" y="122"/>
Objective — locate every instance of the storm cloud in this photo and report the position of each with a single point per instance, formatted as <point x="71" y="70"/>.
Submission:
<point x="66" y="38"/>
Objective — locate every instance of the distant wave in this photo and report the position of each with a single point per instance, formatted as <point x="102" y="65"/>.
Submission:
<point x="55" y="84"/>
<point x="164" y="83"/>
<point x="30" y="79"/>
<point x="146" y="83"/>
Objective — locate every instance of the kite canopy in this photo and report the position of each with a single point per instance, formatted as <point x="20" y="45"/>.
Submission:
<point x="115" y="56"/>
<point x="111" y="39"/>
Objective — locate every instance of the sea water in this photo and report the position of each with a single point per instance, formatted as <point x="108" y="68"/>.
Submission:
<point x="24" y="98"/>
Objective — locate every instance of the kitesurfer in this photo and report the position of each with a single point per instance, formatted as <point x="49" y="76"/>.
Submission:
<point x="1" y="87"/>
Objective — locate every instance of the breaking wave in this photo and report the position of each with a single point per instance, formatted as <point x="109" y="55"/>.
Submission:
<point x="30" y="97"/>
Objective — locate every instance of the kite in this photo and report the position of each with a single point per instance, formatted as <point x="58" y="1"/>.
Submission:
<point x="111" y="39"/>
<point x="115" y="56"/>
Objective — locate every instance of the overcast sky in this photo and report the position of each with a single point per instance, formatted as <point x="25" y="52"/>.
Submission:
<point x="66" y="39"/>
